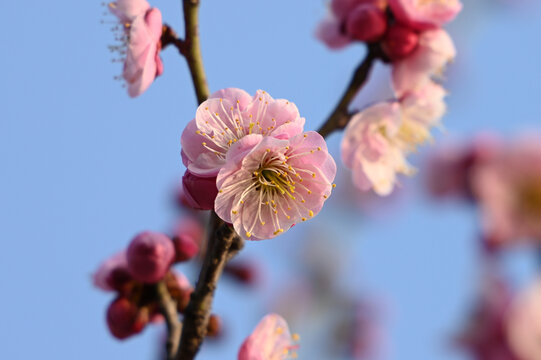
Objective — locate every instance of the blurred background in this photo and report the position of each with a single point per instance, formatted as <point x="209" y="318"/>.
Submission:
<point x="84" y="168"/>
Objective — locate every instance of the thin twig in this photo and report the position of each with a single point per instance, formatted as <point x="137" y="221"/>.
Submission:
<point x="223" y="244"/>
<point x="168" y="308"/>
<point x="193" y="49"/>
<point x="340" y="115"/>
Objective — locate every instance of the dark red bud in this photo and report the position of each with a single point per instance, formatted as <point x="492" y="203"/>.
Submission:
<point x="399" y="42"/>
<point x="125" y="319"/>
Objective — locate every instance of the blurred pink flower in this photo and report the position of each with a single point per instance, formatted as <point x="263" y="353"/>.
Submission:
<point x="524" y="325"/>
<point x="508" y="189"/>
<point x="226" y="117"/>
<point x="449" y="168"/>
<point x="149" y="256"/>
<point x="270" y="340"/>
<point x="269" y="184"/>
<point x="378" y="139"/>
<point x="370" y="151"/>
<point x="141" y="28"/>
<point x="484" y="334"/>
<point x="425" y="14"/>
<point x="434" y="51"/>
<point x="112" y="273"/>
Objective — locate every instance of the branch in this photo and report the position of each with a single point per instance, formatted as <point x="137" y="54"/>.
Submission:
<point x="170" y="37"/>
<point x="168" y="308"/>
<point x="193" y="50"/>
<point x="340" y="116"/>
<point x="223" y="244"/>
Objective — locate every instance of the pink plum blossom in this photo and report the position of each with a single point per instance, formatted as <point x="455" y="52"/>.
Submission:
<point x="428" y="60"/>
<point x="508" y="190"/>
<point x="149" y="256"/>
<point x="112" y="273"/>
<point x="228" y="116"/>
<point x="141" y="28"/>
<point x="270" y="340"/>
<point x="524" y="326"/>
<point x="370" y="151"/>
<point x="269" y="184"/>
<point x="425" y="14"/>
<point x="378" y="139"/>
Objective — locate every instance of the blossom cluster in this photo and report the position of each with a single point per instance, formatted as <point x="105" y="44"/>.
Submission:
<point x="248" y="158"/>
<point x="408" y="35"/>
<point x="133" y="271"/>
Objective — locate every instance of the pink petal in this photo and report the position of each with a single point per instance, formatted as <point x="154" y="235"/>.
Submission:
<point x="270" y="340"/>
<point x="329" y="31"/>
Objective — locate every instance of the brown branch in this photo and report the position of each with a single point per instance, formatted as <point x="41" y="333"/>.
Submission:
<point x="170" y="37"/>
<point x="340" y="116"/>
<point x="223" y="244"/>
<point x="168" y="308"/>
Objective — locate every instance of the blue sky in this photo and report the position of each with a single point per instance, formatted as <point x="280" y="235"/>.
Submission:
<point x="84" y="168"/>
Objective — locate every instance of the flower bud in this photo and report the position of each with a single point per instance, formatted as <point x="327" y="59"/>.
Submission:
<point x="243" y="272"/>
<point x="199" y="192"/>
<point x="124" y="318"/>
<point x="185" y="247"/>
<point x="214" y="327"/>
<point x="149" y="256"/>
<point x="113" y="273"/>
<point x="366" y="23"/>
<point x="399" y="42"/>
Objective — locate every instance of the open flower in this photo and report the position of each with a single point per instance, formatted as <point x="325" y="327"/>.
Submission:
<point x="228" y="116"/>
<point x="378" y="139"/>
<point x="508" y="189"/>
<point x="434" y="50"/>
<point x="141" y="31"/>
<point x="425" y="14"/>
<point x="269" y="184"/>
<point x="270" y="340"/>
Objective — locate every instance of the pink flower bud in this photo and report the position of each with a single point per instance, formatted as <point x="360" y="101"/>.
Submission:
<point x="366" y="23"/>
<point x="185" y="247"/>
<point x="399" y="42"/>
<point x="149" y="256"/>
<point x="187" y="238"/>
<point x="125" y="318"/>
<point x="113" y="273"/>
<point x="199" y="192"/>
<point x="245" y="273"/>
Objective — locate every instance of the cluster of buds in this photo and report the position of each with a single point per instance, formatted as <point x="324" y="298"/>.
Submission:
<point x="397" y="25"/>
<point x="408" y="35"/>
<point x="133" y="274"/>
